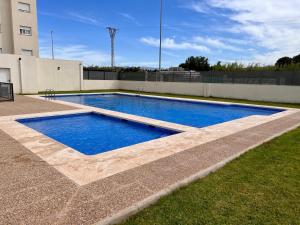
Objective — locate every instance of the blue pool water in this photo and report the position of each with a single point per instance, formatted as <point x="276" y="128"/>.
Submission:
<point x="182" y="112"/>
<point x="93" y="133"/>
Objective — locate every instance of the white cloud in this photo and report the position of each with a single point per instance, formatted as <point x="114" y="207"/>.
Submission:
<point x="167" y="53"/>
<point x="271" y="56"/>
<point x="170" y="43"/>
<point x="197" y="6"/>
<point x="77" y="52"/>
<point x="83" y="19"/>
<point x="237" y="41"/>
<point x="216" y="43"/>
<point x="73" y="16"/>
<point x="271" y="24"/>
<point x="259" y="11"/>
<point x="131" y="18"/>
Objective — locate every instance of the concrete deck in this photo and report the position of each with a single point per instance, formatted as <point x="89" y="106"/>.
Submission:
<point x="26" y="105"/>
<point x="33" y="192"/>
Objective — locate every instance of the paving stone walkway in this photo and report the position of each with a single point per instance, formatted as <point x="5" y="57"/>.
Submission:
<point x="27" y="105"/>
<point x="32" y="192"/>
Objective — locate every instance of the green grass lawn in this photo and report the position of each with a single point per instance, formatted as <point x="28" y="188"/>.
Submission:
<point x="261" y="187"/>
<point x="188" y="96"/>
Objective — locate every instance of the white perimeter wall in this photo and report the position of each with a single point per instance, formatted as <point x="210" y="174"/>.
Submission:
<point x="59" y="75"/>
<point x="31" y="75"/>
<point x="22" y="72"/>
<point x="273" y="93"/>
<point x="101" y="84"/>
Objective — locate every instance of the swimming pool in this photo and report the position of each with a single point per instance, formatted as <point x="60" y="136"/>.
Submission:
<point x="92" y="133"/>
<point x="189" y="113"/>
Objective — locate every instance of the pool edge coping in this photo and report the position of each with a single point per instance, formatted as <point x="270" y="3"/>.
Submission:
<point x="222" y="130"/>
<point x="67" y="156"/>
<point x="40" y="96"/>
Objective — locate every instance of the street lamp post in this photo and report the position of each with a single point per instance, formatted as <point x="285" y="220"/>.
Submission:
<point x="160" y="38"/>
<point x="52" y="44"/>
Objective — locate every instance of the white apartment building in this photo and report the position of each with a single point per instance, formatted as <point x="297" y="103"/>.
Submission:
<point x="18" y="27"/>
<point x="20" y="63"/>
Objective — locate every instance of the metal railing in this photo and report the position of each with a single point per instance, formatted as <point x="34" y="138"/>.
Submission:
<point x="100" y="75"/>
<point x="49" y="93"/>
<point x="236" y="77"/>
<point x="6" y="92"/>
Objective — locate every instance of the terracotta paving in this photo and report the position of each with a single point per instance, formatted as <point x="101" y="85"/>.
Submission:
<point x="32" y="192"/>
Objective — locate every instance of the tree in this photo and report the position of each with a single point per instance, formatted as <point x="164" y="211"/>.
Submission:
<point x="296" y="59"/>
<point x="198" y="63"/>
<point x="284" y="61"/>
<point x="218" y="66"/>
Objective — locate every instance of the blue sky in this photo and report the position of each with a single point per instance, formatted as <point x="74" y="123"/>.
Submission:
<point x="226" y="30"/>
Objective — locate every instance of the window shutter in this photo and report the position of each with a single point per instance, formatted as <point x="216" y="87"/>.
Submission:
<point x="24" y="7"/>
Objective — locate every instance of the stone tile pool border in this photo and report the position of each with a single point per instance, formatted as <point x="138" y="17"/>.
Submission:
<point x="84" y="169"/>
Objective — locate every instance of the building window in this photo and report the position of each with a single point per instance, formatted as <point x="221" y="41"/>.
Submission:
<point x="25" y="30"/>
<point x="23" y="7"/>
<point x="27" y="52"/>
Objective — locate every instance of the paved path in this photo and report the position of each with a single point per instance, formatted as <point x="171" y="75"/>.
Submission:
<point x="26" y="105"/>
<point x="32" y="192"/>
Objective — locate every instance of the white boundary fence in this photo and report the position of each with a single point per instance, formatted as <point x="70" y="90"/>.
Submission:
<point x="272" y="93"/>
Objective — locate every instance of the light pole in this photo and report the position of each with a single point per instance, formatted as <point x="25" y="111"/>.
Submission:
<point x="160" y="31"/>
<point x="52" y="45"/>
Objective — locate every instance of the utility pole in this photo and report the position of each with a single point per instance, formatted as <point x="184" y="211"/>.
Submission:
<point x="52" y="44"/>
<point x="160" y="35"/>
<point x="112" y="33"/>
